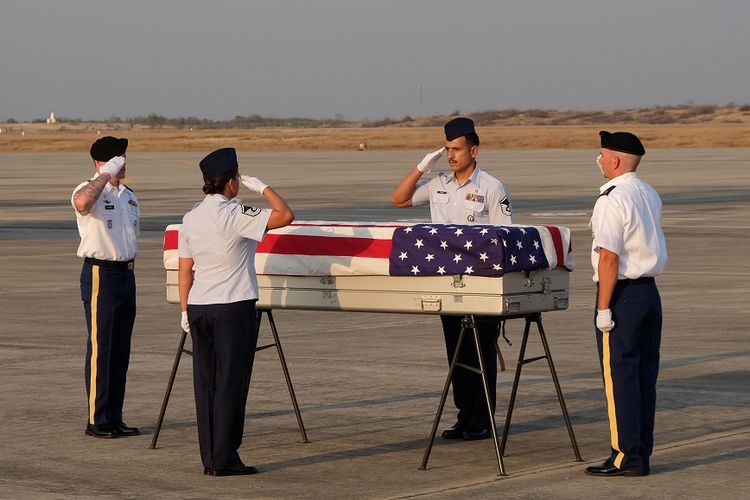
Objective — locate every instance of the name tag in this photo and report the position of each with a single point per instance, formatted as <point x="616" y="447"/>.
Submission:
<point x="440" y="197"/>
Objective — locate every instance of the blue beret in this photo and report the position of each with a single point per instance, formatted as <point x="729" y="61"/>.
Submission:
<point x="108" y="147"/>
<point x="625" y="142"/>
<point x="219" y="162"/>
<point x="458" y="127"/>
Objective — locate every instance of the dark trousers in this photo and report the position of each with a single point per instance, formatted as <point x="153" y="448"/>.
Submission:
<point x="108" y="297"/>
<point x="630" y="366"/>
<point x="468" y="390"/>
<point x="224" y="340"/>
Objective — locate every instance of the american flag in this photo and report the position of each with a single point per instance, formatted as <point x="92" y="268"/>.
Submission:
<point x="439" y="249"/>
<point x="323" y="248"/>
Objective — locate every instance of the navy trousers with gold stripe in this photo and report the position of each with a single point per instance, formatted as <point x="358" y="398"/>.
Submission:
<point x="629" y="356"/>
<point x="224" y="340"/>
<point x="108" y="297"/>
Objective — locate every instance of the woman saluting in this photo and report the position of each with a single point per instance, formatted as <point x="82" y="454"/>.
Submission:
<point x="218" y="291"/>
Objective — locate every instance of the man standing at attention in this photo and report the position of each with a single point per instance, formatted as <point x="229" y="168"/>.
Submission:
<point x="107" y="214"/>
<point x="466" y="195"/>
<point x="628" y="251"/>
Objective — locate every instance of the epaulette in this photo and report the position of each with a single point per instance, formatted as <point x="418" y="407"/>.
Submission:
<point x="129" y="189"/>
<point x="609" y="189"/>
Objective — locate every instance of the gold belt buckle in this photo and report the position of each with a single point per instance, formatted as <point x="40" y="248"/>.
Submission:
<point x="131" y="265"/>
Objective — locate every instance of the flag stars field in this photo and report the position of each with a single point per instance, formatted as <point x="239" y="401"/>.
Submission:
<point x="436" y="249"/>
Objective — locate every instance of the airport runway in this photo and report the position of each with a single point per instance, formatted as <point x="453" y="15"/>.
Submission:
<point x="368" y="384"/>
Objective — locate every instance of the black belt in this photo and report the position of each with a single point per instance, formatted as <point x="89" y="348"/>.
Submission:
<point x="120" y="265"/>
<point x="638" y="281"/>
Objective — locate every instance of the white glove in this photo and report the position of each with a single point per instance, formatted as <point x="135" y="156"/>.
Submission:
<point x="253" y="183"/>
<point x="184" y="322"/>
<point x="113" y="166"/>
<point x="430" y="160"/>
<point x="604" y="320"/>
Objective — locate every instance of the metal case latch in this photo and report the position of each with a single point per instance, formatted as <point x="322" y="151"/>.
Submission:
<point x="528" y="280"/>
<point x="546" y="285"/>
<point x="432" y="303"/>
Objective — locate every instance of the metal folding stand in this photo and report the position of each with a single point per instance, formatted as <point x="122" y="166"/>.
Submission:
<point x="276" y="343"/>
<point x="537" y="318"/>
<point x="467" y="323"/>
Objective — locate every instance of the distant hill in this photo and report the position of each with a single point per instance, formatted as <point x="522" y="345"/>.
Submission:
<point x="657" y="115"/>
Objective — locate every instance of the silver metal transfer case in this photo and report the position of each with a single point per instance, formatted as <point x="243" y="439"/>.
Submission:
<point x="514" y="293"/>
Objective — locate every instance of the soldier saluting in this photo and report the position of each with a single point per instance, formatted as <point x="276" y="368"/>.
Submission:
<point x="107" y="214"/>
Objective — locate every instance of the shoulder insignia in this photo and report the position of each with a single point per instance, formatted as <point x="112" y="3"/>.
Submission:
<point x="251" y="211"/>
<point x="608" y="190"/>
<point x="128" y="188"/>
<point x="505" y="206"/>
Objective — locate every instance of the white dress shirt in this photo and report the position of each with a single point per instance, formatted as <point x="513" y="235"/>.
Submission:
<point x="110" y="228"/>
<point x="627" y="221"/>
<point x="221" y="236"/>
<point x="481" y="199"/>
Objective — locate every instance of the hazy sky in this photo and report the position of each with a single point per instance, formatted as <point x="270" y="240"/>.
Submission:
<point x="366" y="59"/>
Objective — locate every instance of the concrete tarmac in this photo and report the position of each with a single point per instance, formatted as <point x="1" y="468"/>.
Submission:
<point x="368" y="384"/>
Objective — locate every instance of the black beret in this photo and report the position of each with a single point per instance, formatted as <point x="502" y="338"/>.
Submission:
<point x="108" y="147"/>
<point x="458" y="127"/>
<point x="219" y="162"/>
<point x="624" y="142"/>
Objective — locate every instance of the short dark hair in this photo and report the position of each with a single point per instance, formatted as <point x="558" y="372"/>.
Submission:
<point x="217" y="185"/>
<point x="472" y="139"/>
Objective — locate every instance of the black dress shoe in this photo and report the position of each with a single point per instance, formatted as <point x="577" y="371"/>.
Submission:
<point x="240" y="470"/>
<point x="206" y="471"/>
<point x="100" y="431"/>
<point x="123" y="430"/>
<point x="608" y="469"/>
<point x="455" y="432"/>
<point x="476" y="434"/>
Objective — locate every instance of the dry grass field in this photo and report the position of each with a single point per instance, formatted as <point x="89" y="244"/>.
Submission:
<point x="688" y="127"/>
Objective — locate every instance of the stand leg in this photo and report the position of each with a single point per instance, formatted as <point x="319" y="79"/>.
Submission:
<point x="181" y="349"/>
<point x="558" y="389"/>
<point x="514" y="391"/>
<point x="467" y="323"/>
<point x="485" y="385"/>
<point x="164" y="403"/>
<point x="288" y="379"/>
<point x="537" y="319"/>
<point x="443" y="396"/>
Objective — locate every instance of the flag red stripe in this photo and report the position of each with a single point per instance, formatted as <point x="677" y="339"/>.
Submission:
<point x="323" y="245"/>
<point x="557" y="240"/>
<point x="170" y="240"/>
